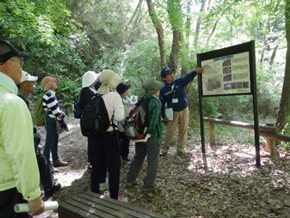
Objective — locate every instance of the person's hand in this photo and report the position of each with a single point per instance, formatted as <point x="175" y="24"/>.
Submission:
<point x="199" y="70"/>
<point x="36" y="206"/>
<point x="165" y="119"/>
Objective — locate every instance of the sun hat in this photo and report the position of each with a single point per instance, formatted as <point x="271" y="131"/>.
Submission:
<point x="164" y="71"/>
<point x="89" y="78"/>
<point x="8" y="51"/>
<point x="109" y="80"/>
<point x="122" y="87"/>
<point x="47" y="82"/>
<point x="27" y="77"/>
<point x="151" y="86"/>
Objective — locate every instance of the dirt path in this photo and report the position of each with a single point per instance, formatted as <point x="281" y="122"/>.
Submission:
<point x="231" y="186"/>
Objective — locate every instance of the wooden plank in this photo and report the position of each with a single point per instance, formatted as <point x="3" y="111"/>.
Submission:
<point x="100" y="207"/>
<point x="66" y="210"/>
<point x="240" y="124"/>
<point x="93" y="207"/>
<point x="140" y="212"/>
<point x="89" y="204"/>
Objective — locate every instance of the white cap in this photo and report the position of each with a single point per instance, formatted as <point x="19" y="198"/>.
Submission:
<point x="89" y="78"/>
<point x="27" y="77"/>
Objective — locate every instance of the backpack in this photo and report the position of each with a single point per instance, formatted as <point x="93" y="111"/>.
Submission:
<point x="38" y="113"/>
<point x="77" y="110"/>
<point x="95" y="119"/>
<point x="136" y="123"/>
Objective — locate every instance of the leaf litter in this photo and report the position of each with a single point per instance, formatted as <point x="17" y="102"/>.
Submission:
<point x="223" y="183"/>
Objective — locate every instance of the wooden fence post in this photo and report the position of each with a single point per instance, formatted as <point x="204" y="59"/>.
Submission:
<point x="270" y="146"/>
<point x="212" y="134"/>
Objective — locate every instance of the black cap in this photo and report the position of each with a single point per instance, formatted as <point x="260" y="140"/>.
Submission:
<point x="122" y="87"/>
<point x="8" y="51"/>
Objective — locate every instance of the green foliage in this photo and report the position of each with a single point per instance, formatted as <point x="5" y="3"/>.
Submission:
<point x="141" y="61"/>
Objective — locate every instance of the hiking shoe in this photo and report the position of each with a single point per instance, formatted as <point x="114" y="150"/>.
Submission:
<point x="180" y="152"/>
<point x="56" y="186"/>
<point x="104" y="186"/>
<point x="130" y="185"/>
<point x="59" y="163"/>
<point x="155" y="187"/>
<point x="53" y="170"/>
<point x="49" y="192"/>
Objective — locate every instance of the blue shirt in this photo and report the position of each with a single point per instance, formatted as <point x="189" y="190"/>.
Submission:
<point x="174" y="94"/>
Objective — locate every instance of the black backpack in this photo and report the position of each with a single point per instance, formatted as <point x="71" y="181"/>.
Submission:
<point x="77" y="110"/>
<point x="136" y="123"/>
<point x="95" y="119"/>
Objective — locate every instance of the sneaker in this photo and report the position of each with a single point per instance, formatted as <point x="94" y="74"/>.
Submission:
<point x="59" y="163"/>
<point x="125" y="199"/>
<point x="155" y="187"/>
<point x="126" y="161"/>
<point x="130" y="185"/>
<point x="104" y="186"/>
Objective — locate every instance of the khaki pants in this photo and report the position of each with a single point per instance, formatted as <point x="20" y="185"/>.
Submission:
<point x="180" y="119"/>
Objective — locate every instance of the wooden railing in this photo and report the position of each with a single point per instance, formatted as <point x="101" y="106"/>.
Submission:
<point x="268" y="131"/>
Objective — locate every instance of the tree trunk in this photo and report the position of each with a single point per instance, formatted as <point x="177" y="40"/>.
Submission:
<point x="284" y="109"/>
<point x="273" y="55"/>
<point x="185" y="54"/>
<point x="198" y="24"/>
<point x="175" y="17"/>
<point x="159" y="30"/>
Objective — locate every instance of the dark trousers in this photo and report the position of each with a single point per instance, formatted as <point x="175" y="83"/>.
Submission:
<point x="46" y="177"/>
<point x="8" y="199"/>
<point x="90" y="147"/>
<point x="105" y="149"/>
<point x="124" y="145"/>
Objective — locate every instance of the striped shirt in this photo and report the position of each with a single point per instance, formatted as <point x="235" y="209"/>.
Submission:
<point x="155" y="120"/>
<point x="50" y="104"/>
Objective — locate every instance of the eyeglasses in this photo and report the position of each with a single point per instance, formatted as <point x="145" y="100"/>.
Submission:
<point x="21" y="62"/>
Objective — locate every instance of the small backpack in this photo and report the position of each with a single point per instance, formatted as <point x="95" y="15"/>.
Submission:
<point x="38" y="113"/>
<point x="136" y="123"/>
<point x="95" y="119"/>
<point x="77" y="110"/>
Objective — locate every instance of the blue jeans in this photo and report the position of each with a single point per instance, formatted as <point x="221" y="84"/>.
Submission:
<point x="105" y="149"/>
<point x="51" y="142"/>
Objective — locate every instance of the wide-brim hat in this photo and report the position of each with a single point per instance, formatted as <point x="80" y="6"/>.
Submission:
<point x="89" y="78"/>
<point x="47" y="82"/>
<point x="152" y="86"/>
<point x="27" y="77"/>
<point x="122" y="87"/>
<point x="8" y="51"/>
<point x="108" y="76"/>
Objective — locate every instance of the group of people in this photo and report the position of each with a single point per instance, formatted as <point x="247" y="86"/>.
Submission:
<point x="112" y="148"/>
<point x="20" y="156"/>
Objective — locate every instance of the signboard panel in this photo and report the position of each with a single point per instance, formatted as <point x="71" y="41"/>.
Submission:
<point x="227" y="71"/>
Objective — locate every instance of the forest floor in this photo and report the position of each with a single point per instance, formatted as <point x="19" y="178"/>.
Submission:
<point x="226" y="183"/>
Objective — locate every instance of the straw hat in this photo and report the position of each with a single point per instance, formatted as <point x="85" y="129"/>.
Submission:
<point x="47" y="82"/>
